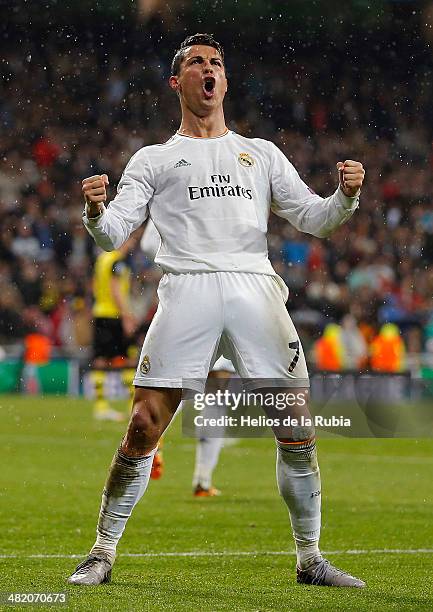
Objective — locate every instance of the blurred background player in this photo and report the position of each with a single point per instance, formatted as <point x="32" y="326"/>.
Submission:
<point x="208" y="448"/>
<point x="114" y="325"/>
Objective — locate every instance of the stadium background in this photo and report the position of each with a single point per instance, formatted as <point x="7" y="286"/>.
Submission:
<point x="83" y="87"/>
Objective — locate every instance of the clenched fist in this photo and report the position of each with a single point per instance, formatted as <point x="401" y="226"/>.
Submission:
<point x="95" y="193"/>
<point x="351" y="174"/>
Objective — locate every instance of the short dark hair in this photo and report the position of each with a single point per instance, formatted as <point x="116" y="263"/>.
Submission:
<point x="196" y="39"/>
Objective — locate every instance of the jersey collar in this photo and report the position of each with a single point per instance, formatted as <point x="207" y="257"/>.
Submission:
<point x="204" y="137"/>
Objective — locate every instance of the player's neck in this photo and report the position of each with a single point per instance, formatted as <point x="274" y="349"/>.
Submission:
<point x="203" y="127"/>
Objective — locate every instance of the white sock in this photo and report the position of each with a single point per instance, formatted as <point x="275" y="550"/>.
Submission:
<point x="298" y="479"/>
<point x="127" y="481"/>
<point x="206" y="458"/>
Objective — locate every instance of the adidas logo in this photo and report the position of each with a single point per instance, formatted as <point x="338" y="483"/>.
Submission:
<point x="181" y="163"/>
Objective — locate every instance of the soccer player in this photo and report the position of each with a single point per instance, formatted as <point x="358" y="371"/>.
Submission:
<point x="114" y="324"/>
<point x="209" y="192"/>
<point x="208" y="449"/>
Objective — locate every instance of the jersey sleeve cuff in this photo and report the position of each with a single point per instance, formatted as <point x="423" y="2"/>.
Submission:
<point x="349" y="203"/>
<point x="92" y="221"/>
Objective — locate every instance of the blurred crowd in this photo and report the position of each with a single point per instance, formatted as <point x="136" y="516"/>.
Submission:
<point x="68" y="111"/>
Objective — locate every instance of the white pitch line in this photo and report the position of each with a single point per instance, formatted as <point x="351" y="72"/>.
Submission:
<point x="240" y="553"/>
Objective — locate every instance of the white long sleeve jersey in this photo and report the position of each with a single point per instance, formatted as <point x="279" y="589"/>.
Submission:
<point x="210" y="199"/>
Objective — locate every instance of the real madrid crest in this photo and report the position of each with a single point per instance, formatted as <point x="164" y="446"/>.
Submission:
<point x="245" y="159"/>
<point x="145" y="365"/>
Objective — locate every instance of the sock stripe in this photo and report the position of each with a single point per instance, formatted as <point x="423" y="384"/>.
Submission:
<point x="305" y="447"/>
<point x="131" y="460"/>
<point x="306" y="442"/>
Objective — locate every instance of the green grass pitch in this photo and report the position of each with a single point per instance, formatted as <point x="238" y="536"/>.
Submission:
<point x="377" y="497"/>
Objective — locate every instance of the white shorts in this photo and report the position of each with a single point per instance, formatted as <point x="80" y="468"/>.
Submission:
<point x="204" y="315"/>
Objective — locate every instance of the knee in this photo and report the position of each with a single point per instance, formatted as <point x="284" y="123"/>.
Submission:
<point x="152" y="411"/>
<point x="145" y="417"/>
<point x="145" y="426"/>
<point x="301" y="437"/>
<point x="303" y="433"/>
<point x="301" y="430"/>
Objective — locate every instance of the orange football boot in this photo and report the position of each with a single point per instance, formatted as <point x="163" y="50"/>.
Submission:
<point x="157" y="465"/>
<point x="211" y="492"/>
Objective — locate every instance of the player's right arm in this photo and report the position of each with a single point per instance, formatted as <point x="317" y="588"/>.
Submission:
<point x="111" y="226"/>
<point x="293" y="200"/>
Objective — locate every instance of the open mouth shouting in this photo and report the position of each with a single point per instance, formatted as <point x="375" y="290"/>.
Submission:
<point x="208" y="87"/>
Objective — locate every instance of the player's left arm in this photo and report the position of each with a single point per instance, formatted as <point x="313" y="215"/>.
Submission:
<point x="293" y="200"/>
